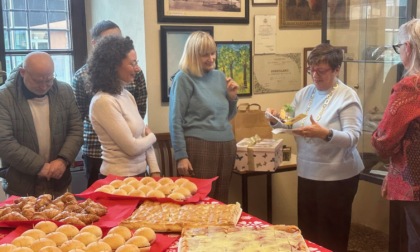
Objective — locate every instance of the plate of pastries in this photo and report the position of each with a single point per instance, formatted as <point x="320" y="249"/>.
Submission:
<point x="181" y="190"/>
<point x="65" y="209"/>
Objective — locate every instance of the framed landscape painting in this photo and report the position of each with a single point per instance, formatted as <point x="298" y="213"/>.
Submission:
<point x="234" y="58"/>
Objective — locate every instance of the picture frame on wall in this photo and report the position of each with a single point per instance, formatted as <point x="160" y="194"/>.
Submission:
<point x="307" y="79"/>
<point x="203" y="11"/>
<point x="264" y="2"/>
<point x="234" y="58"/>
<point x="172" y="41"/>
<point x="308" y="14"/>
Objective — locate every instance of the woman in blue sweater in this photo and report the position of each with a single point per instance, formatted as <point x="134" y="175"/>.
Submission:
<point x="202" y="101"/>
<point x="328" y="163"/>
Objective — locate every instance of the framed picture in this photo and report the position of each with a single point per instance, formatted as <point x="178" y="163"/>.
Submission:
<point x="203" y="11"/>
<point x="308" y="13"/>
<point x="307" y="78"/>
<point x="234" y="58"/>
<point x="264" y="2"/>
<point x="172" y="41"/>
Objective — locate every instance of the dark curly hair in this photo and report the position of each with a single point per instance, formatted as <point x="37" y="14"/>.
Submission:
<point x="104" y="62"/>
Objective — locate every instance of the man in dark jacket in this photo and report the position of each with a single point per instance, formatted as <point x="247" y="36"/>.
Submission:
<point x="41" y="130"/>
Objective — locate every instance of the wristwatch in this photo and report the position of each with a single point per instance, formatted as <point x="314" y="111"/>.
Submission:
<point x="329" y="136"/>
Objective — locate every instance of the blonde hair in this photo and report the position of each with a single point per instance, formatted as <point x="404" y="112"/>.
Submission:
<point x="199" y="43"/>
<point x="410" y="32"/>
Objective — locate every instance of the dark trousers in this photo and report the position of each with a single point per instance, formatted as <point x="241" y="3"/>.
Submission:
<point x="324" y="211"/>
<point x="412" y="217"/>
<point x="92" y="166"/>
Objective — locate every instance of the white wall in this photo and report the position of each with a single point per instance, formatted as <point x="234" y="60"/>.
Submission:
<point x="369" y="208"/>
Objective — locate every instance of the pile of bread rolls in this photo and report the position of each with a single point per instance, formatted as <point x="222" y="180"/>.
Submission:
<point x="165" y="187"/>
<point x="64" y="209"/>
<point x="46" y="236"/>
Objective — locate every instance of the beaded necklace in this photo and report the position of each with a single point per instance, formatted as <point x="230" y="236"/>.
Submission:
<point x="324" y="106"/>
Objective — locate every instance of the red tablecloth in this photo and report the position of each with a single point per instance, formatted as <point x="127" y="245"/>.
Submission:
<point x="163" y="241"/>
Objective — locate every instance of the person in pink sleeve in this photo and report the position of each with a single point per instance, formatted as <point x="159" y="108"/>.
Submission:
<point x="397" y="137"/>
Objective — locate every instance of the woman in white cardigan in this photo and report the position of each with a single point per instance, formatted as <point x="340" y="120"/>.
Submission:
<point x="127" y="143"/>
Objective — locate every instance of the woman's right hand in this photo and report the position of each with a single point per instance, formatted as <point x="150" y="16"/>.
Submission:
<point x="184" y="167"/>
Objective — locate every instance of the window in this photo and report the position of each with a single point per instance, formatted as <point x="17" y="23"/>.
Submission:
<point x="55" y="26"/>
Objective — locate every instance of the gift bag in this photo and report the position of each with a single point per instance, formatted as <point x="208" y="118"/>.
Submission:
<point x="250" y="121"/>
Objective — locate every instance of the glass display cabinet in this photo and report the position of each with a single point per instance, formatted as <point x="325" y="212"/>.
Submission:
<point x="367" y="32"/>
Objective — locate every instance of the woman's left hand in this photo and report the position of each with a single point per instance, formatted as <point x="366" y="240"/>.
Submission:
<point x="313" y="130"/>
<point x="232" y="88"/>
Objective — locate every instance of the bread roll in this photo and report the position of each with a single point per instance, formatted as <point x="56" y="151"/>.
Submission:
<point x="69" y="230"/>
<point x="127" y="188"/>
<point x="127" y="248"/>
<point x="166" y="189"/>
<point x="135" y="183"/>
<point x="98" y="246"/>
<point x="105" y="189"/>
<point x="86" y="238"/>
<point x="23" y="241"/>
<point x="181" y="181"/>
<point x="97" y="231"/>
<point x="41" y="243"/>
<point x="114" y="240"/>
<point x="127" y="180"/>
<point x="22" y="249"/>
<point x="145" y="189"/>
<point x="137" y="193"/>
<point x="182" y="190"/>
<point x="153" y="184"/>
<point x="119" y="191"/>
<point x="146" y="232"/>
<point x="50" y="249"/>
<point x="155" y="194"/>
<point x="190" y="186"/>
<point x="177" y="196"/>
<point x="7" y="247"/>
<point x="165" y="180"/>
<point x="139" y="241"/>
<point x="46" y="226"/>
<point x="34" y="233"/>
<point x="117" y="183"/>
<point x="146" y="180"/>
<point x="58" y="237"/>
<point x="72" y="244"/>
<point x="125" y="232"/>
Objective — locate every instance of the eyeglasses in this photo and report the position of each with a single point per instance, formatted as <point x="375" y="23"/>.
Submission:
<point x="397" y="47"/>
<point x="312" y="71"/>
<point x="42" y="80"/>
<point x="134" y="63"/>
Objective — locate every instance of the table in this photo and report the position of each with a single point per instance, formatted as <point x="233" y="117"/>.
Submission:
<point x="247" y="220"/>
<point x="284" y="167"/>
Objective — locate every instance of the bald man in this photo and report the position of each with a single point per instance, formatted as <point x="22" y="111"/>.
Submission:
<point x="41" y="130"/>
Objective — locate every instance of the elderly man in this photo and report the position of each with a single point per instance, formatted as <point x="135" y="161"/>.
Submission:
<point x="41" y="129"/>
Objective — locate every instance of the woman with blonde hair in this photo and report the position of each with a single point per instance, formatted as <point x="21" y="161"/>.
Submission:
<point x="201" y="103"/>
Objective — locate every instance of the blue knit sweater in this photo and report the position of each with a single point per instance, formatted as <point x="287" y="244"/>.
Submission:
<point x="199" y="107"/>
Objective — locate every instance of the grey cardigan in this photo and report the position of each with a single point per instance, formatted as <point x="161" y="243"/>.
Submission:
<point x="18" y="141"/>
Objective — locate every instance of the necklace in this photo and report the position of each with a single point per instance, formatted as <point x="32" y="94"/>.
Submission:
<point x="324" y="105"/>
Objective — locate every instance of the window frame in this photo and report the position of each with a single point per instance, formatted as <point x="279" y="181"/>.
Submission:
<point x="78" y="50"/>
